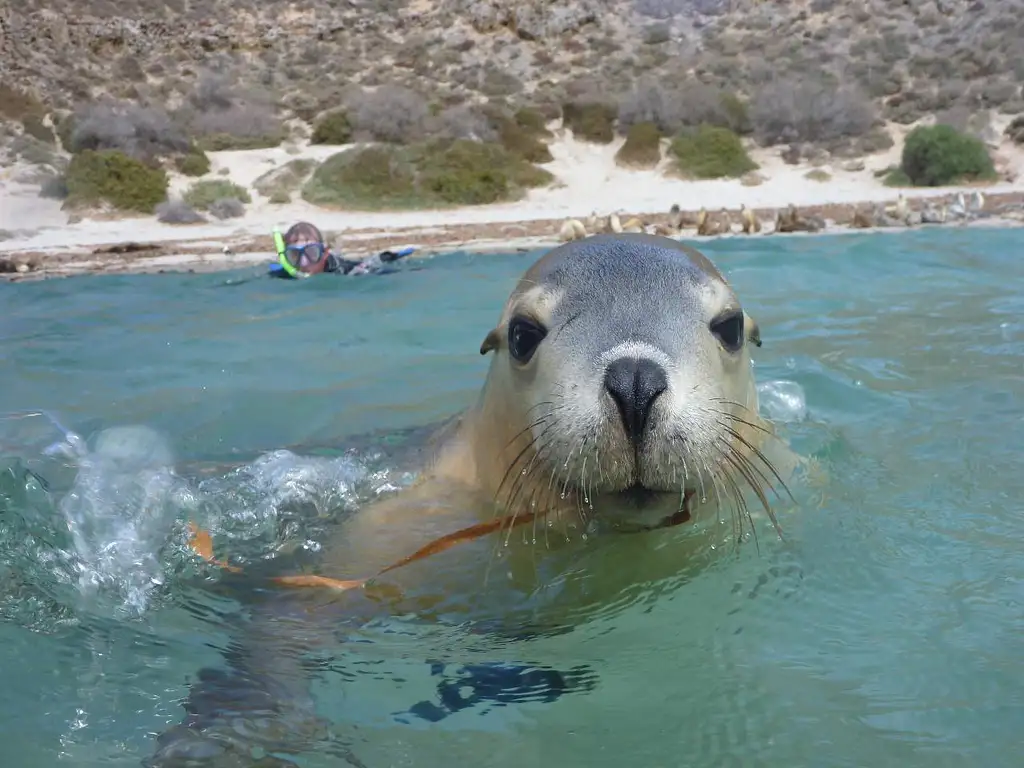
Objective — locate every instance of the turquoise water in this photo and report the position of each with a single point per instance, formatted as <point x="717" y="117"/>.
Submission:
<point x="885" y="630"/>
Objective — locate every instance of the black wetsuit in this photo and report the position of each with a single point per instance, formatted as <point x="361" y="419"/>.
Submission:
<point x="370" y="265"/>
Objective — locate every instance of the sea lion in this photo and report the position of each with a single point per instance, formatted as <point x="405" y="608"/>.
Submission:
<point x="706" y="226"/>
<point x="900" y="211"/>
<point x="790" y="220"/>
<point x="725" y="222"/>
<point x="861" y="220"/>
<point x="620" y="398"/>
<point x="751" y="224"/>
<point x="634" y="225"/>
<point x="571" y="229"/>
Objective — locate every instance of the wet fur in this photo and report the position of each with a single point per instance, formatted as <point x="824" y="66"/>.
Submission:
<point x="545" y="437"/>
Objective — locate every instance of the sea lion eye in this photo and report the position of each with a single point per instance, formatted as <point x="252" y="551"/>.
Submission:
<point x="728" y="327"/>
<point x="524" y="336"/>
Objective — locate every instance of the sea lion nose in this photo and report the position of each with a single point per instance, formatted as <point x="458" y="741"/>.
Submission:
<point x="634" y="384"/>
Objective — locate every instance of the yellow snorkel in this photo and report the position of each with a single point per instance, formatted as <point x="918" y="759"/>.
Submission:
<point x="281" y="258"/>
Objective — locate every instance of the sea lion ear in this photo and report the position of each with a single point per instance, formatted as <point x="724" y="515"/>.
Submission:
<point x="753" y="330"/>
<point x="490" y="342"/>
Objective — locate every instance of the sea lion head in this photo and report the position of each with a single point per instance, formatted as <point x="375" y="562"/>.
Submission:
<point x="622" y="372"/>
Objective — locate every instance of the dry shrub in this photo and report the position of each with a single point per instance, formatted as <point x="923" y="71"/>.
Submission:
<point x="227" y="208"/>
<point x="177" y="212"/>
<point x="223" y="117"/>
<point x="286" y="178"/>
<point x="392" y="114"/>
<point x="811" y="110"/>
<point x="137" y="131"/>
<point x="463" y="122"/>
<point x="38" y="130"/>
<point x="16" y="104"/>
<point x="674" y="107"/>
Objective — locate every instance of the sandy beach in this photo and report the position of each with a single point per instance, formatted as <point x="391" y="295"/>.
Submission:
<point x="49" y="243"/>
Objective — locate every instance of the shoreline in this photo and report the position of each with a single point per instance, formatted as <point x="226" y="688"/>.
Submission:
<point x="165" y="253"/>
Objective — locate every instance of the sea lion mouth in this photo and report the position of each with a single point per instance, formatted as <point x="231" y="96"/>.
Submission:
<point x="640" y="495"/>
<point x="641" y="498"/>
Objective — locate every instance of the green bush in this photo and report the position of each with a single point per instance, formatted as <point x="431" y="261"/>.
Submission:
<point x="203" y="194"/>
<point x="533" y="122"/>
<point x="895" y="177"/>
<point x="432" y="174"/>
<point x="736" y="114"/>
<point x="222" y="142"/>
<point x="374" y="177"/>
<point x="113" y="177"/>
<point x="332" y="128"/>
<point x="642" y="148"/>
<point x="590" y="121"/>
<point x="937" y="155"/>
<point x="711" y="153"/>
<point x="525" y="143"/>
<point x="195" y="162"/>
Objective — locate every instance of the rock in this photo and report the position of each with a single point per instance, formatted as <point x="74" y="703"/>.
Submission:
<point x="752" y="179"/>
<point x="853" y="166"/>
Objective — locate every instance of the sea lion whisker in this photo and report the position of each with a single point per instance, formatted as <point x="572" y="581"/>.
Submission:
<point x="753" y="425"/>
<point x="765" y="461"/>
<point x="743" y="510"/>
<point x="519" y="457"/>
<point x="520" y="477"/>
<point x="704" y="468"/>
<point x="730" y="454"/>
<point x="755" y="451"/>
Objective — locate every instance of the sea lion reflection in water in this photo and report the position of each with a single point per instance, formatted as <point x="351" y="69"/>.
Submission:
<point x="620" y="398"/>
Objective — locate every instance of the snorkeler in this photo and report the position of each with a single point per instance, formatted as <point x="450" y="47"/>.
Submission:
<point x="301" y="252"/>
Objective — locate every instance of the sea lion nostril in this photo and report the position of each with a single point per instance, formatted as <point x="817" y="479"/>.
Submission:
<point x="634" y="384"/>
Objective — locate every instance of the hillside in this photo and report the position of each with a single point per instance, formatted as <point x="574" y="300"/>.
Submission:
<point x="811" y="71"/>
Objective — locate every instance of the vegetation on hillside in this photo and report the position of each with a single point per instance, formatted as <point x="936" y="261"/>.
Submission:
<point x="709" y="152"/>
<point x="441" y="172"/>
<point x="642" y="148"/>
<point x="112" y="177"/>
<point x="816" y="80"/>
<point x="938" y="155"/>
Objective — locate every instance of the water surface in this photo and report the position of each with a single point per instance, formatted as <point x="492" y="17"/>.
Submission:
<point x="885" y="630"/>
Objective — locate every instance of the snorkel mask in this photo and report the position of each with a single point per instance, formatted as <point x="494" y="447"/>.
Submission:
<point x="299" y="259"/>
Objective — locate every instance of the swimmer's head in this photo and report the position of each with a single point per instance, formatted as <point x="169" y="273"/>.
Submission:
<point x="302" y="249"/>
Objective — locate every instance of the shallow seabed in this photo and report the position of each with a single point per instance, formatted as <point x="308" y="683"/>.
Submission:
<point x="887" y="629"/>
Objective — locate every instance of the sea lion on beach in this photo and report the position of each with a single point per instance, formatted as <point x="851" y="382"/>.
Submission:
<point x="861" y="220"/>
<point x="634" y="225"/>
<point x="790" y="220"/>
<point x="620" y="399"/>
<point x="571" y="229"/>
<point x="707" y="226"/>
<point x="751" y="224"/>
